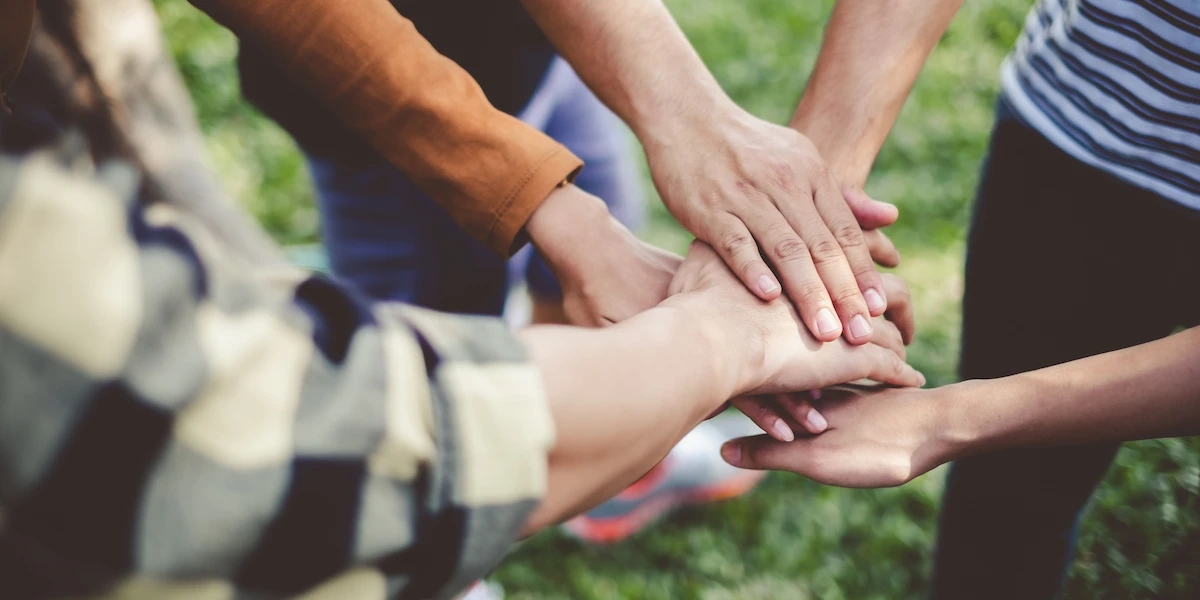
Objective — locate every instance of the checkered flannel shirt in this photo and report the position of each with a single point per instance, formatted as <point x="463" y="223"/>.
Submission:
<point x="175" y="424"/>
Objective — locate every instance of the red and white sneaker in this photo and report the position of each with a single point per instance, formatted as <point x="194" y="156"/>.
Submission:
<point x="693" y="473"/>
<point x="483" y="590"/>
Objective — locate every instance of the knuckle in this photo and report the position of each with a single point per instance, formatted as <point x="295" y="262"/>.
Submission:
<point x="825" y="249"/>
<point x="815" y="168"/>
<point x="845" y="295"/>
<point x="764" y="411"/>
<point x="811" y="292"/>
<point x="783" y="175"/>
<point x="849" y="235"/>
<point x="865" y="270"/>
<point x="790" y="247"/>
<point x="734" y="243"/>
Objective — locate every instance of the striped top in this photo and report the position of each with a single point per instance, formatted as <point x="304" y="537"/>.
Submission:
<point x="1116" y="84"/>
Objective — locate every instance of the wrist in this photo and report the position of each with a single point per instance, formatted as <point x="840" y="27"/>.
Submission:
<point x="705" y="115"/>
<point x="839" y="138"/>
<point x="971" y="417"/>
<point x="570" y="227"/>
<point x="732" y="359"/>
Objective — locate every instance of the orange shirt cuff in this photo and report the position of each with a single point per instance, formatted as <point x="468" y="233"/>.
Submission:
<point x="507" y="232"/>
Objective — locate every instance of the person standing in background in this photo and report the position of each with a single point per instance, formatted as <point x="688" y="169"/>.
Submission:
<point x="1082" y="240"/>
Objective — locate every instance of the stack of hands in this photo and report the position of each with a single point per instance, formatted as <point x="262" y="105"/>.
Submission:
<point x="857" y="436"/>
<point x="783" y="273"/>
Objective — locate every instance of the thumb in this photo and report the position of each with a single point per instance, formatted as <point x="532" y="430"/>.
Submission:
<point x="761" y="452"/>
<point x="887" y="367"/>
<point x="871" y="213"/>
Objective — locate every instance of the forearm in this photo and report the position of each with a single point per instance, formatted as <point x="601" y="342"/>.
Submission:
<point x="871" y="55"/>
<point x="633" y="55"/>
<point x="1148" y="391"/>
<point x="421" y="111"/>
<point x="620" y="397"/>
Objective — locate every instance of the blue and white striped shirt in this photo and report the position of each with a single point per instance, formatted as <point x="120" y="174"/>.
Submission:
<point x="1116" y="84"/>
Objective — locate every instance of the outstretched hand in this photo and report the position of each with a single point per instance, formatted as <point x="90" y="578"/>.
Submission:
<point x="876" y="437"/>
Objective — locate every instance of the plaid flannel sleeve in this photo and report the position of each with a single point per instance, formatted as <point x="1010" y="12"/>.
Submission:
<point x="174" y="424"/>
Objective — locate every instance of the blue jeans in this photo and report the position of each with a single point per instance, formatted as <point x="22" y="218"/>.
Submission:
<point x="394" y="242"/>
<point x="1064" y="261"/>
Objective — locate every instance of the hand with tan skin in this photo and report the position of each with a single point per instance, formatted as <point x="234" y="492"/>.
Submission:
<point x="758" y="192"/>
<point x="881" y="437"/>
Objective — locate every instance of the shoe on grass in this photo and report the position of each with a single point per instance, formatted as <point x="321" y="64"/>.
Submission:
<point x="693" y="473"/>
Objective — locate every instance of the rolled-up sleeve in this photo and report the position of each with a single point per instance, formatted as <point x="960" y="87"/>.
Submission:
<point x="173" y="421"/>
<point x="418" y="108"/>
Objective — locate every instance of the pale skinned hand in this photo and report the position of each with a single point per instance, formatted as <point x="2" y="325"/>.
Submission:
<point x="768" y="348"/>
<point x="607" y="274"/>
<point x="876" y="437"/>
<point x="784" y="415"/>
<point x="761" y="195"/>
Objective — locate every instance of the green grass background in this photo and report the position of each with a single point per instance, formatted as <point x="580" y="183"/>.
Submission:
<point x="791" y="538"/>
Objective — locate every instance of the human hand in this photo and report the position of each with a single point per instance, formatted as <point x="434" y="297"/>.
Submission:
<point x="877" y="437"/>
<point x="606" y="273"/>
<point x="782" y="415"/>
<point x="766" y="346"/>
<point x="742" y="184"/>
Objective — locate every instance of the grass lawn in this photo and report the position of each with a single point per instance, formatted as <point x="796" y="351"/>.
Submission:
<point x="790" y="538"/>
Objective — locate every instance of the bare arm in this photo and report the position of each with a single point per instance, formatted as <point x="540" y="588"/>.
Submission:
<point x="881" y="438"/>
<point x="735" y="181"/>
<point x="1148" y="391"/>
<point x="872" y="54"/>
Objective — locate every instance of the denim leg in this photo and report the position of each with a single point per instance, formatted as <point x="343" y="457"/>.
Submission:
<point x="1064" y="261"/>
<point x="395" y="243"/>
<point x="578" y="120"/>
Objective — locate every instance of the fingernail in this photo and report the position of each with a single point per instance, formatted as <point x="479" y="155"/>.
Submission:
<point x="826" y="322"/>
<point x="814" y="394"/>
<point x="859" y="327"/>
<point x="785" y="432"/>
<point x="732" y="453"/>
<point x="922" y="376"/>
<point x="817" y="421"/>
<point x="875" y="301"/>
<point x="767" y="285"/>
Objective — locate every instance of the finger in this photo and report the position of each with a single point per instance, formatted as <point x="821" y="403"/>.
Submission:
<point x="761" y="453"/>
<point x="870" y="213"/>
<point x="885" y="366"/>
<point x="900" y="308"/>
<point x="882" y="250"/>
<point x="689" y="270"/>
<point x="802" y="412"/>
<point x="804" y="285"/>
<point x="764" y="413"/>
<point x="831" y="265"/>
<point x="841" y="222"/>
<point x="737" y="248"/>
<point x="888" y="335"/>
